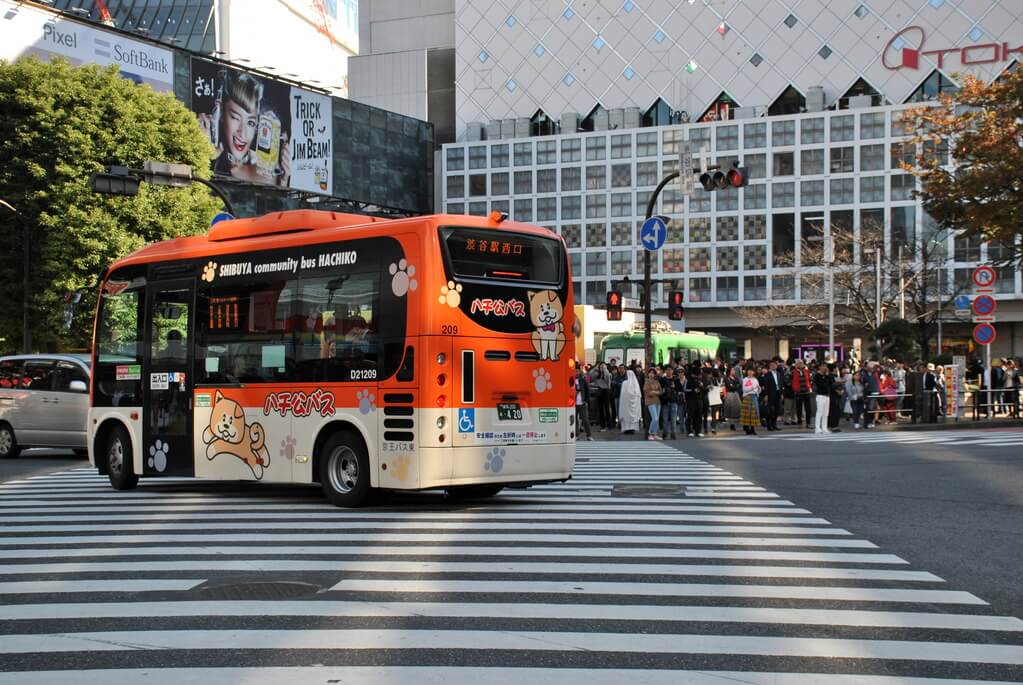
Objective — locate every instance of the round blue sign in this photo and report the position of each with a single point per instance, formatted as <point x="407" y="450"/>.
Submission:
<point x="962" y="302"/>
<point x="222" y="216"/>
<point x="984" y="334"/>
<point x="653" y="233"/>
<point x="983" y="305"/>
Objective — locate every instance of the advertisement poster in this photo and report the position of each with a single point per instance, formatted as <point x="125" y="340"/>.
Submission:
<point x="953" y="390"/>
<point x="25" y="30"/>
<point x="263" y="131"/>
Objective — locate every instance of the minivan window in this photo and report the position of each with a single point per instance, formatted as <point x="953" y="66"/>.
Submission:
<point x="67" y="372"/>
<point x="39" y="374"/>
<point x="11" y="373"/>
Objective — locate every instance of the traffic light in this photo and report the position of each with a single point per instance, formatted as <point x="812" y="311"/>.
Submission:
<point x="676" y="310"/>
<point x="716" y="179"/>
<point x="114" y="184"/>
<point x="614" y="305"/>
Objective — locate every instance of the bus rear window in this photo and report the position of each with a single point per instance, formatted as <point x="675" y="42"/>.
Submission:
<point x="502" y="255"/>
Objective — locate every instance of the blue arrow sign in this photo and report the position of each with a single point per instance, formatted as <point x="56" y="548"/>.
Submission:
<point x="653" y="233"/>
<point x="222" y="216"/>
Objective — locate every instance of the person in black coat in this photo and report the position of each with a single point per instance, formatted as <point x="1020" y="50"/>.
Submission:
<point x="771" y="384"/>
<point x="696" y="398"/>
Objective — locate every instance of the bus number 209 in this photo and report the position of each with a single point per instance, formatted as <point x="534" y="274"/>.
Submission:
<point x="449" y="330"/>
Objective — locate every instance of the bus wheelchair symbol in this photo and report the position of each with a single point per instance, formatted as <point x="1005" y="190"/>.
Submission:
<point x="466" y="420"/>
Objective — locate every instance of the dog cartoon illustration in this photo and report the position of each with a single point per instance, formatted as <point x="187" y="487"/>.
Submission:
<point x="229" y="434"/>
<point x="546" y="312"/>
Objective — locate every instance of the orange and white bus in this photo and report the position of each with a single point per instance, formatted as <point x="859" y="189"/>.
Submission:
<point x="351" y="351"/>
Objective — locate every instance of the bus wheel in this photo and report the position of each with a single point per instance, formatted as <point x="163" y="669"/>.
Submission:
<point x="473" y="491"/>
<point x="119" y="460"/>
<point x="344" y="470"/>
<point x="9" y="448"/>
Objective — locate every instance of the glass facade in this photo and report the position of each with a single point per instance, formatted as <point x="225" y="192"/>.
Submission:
<point x="186" y="24"/>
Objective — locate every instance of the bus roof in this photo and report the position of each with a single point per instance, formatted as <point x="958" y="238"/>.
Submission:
<point x="303" y="227"/>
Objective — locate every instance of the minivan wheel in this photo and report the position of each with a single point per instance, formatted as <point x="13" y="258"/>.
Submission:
<point x="8" y="443"/>
<point x="119" y="460"/>
<point x="344" y="470"/>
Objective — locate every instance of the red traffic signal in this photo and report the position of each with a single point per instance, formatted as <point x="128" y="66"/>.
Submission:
<point x="715" y="179"/>
<point x="676" y="308"/>
<point x="614" y="305"/>
<point x="738" y="177"/>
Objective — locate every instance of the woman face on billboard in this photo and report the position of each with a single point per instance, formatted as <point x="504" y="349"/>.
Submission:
<point x="239" y="128"/>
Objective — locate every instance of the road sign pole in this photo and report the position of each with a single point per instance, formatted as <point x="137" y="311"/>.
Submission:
<point x="648" y="353"/>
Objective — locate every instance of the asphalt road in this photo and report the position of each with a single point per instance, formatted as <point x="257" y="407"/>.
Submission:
<point x="954" y="508"/>
<point x="36" y="462"/>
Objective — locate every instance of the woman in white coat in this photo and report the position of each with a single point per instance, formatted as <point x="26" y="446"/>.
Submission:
<point x="630" y="404"/>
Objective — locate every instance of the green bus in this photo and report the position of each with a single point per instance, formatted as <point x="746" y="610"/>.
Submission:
<point x="626" y="347"/>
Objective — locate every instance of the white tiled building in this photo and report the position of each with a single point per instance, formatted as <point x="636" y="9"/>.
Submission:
<point x="569" y="113"/>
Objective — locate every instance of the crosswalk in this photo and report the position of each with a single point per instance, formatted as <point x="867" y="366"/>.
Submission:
<point x="951" y="438"/>
<point x="649" y="566"/>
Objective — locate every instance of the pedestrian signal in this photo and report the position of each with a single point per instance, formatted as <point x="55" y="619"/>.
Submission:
<point x="676" y="310"/>
<point x="614" y="305"/>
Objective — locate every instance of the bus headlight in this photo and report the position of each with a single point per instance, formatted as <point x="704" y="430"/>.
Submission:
<point x="441" y="421"/>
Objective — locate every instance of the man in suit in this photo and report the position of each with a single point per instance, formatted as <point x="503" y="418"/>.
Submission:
<point x="772" y="389"/>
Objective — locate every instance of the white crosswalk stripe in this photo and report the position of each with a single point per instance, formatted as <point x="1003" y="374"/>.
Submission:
<point x="949" y="438"/>
<point x="648" y="560"/>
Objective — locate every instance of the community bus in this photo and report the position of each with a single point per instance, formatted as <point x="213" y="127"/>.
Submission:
<point x="668" y="346"/>
<point x="352" y="351"/>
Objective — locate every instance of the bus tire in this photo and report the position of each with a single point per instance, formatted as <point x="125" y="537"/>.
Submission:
<point x="344" y="470"/>
<point x="120" y="459"/>
<point x="9" y="448"/>
<point x="473" y="491"/>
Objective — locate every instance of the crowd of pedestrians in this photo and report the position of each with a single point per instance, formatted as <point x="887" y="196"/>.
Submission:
<point x="695" y="398"/>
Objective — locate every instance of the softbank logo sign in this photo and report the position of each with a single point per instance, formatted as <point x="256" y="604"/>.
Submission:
<point x="900" y="52"/>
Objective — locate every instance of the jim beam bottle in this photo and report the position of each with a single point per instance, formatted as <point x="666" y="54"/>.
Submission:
<point x="268" y="143"/>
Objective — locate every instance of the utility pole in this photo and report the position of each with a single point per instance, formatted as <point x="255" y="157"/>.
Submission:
<point x="26" y="332"/>
<point x="648" y="352"/>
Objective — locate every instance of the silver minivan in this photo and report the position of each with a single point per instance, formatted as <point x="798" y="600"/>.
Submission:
<point x="44" y="402"/>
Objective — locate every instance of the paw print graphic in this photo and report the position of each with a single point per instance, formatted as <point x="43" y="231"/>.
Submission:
<point x="541" y="380"/>
<point x="495" y="460"/>
<point x="451" y="294"/>
<point x="158" y="455"/>
<point x="366" y="400"/>
<point x="402" y="280"/>
<point x="209" y="272"/>
<point x="288" y="448"/>
<point x="400" y="467"/>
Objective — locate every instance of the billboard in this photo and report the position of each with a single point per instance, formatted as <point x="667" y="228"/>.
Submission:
<point x="25" y="30"/>
<point x="264" y="131"/>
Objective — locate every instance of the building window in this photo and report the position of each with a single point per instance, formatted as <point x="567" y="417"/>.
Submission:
<point x="727" y="199"/>
<point x="783" y="133"/>
<point x="699" y="202"/>
<point x="699" y="289"/>
<point x="754" y="227"/>
<point x="936" y="151"/>
<point x="903" y="154"/>
<point x="572" y="235"/>
<point x="523" y="182"/>
<point x="791" y="101"/>
<point x="596" y="177"/>
<point x="523" y="210"/>
<point x="477" y="208"/>
<point x="596" y="206"/>
<point x="659" y="114"/>
<point x="523" y="154"/>
<point x="456" y="186"/>
<point x="499" y="183"/>
<point x="547" y="209"/>
<point x="546" y="152"/>
<point x="621" y="176"/>
<point x="811" y="193"/>
<point x="903" y="186"/>
<point x="672" y="202"/>
<point x="596" y="148"/>
<point x="811" y="162"/>
<point x="756" y="166"/>
<point x="754" y="288"/>
<point x="621" y="147"/>
<point x="596" y="264"/>
<point x="477" y="185"/>
<point x="811" y="131"/>
<point x="571" y="207"/>
<point x="673" y="261"/>
<point x="676" y="232"/>
<point x="967" y="248"/>
<point x="872" y="158"/>
<point x="455" y="159"/>
<point x="933" y="86"/>
<point x="842" y="191"/>
<point x="646" y="174"/>
<point x="872" y="125"/>
<point x="783" y="194"/>
<point x="699" y="259"/>
<point x="699" y="139"/>
<point x="728" y="289"/>
<point x="498" y="156"/>
<point x="621" y="263"/>
<point x="842" y="128"/>
<point x="784" y="163"/>
<point x="546" y="180"/>
<point x="727" y="258"/>
<point x="728" y="138"/>
<point x="646" y="144"/>
<point x="903" y="229"/>
<point x="699" y="230"/>
<point x="842" y="160"/>
<point x="783" y="240"/>
<point x="571" y="179"/>
<point x="621" y="204"/>
<point x="754" y="136"/>
<point x="872" y="189"/>
<point x="621" y="233"/>
<point x="783" y="287"/>
<point x="478" y="157"/>
<point x="596" y="235"/>
<point x="670" y="142"/>
<point x="755" y="196"/>
<point x="456" y="208"/>
<point x="571" y="150"/>
<point x="754" y="257"/>
<point x="727" y="228"/>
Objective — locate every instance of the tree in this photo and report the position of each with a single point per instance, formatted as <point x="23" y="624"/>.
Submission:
<point x="60" y="124"/>
<point x="980" y="192"/>
<point x="894" y="339"/>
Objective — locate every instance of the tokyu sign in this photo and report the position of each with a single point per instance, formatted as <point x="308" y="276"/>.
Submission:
<point x="907" y="46"/>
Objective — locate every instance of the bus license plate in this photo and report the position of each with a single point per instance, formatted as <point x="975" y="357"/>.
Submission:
<point x="509" y="411"/>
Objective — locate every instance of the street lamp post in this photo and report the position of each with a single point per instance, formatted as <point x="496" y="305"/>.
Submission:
<point x="647" y="285"/>
<point x="26" y="333"/>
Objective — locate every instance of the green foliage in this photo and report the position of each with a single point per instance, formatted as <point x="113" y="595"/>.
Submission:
<point x="896" y="339"/>
<point x="60" y="124"/>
